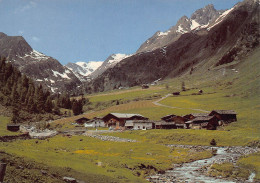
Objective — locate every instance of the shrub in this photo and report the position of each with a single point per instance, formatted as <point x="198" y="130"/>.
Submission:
<point x="213" y="142"/>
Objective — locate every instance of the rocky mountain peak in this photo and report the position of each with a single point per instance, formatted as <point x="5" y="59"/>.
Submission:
<point x="201" y="18"/>
<point x="180" y="52"/>
<point x="83" y="69"/>
<point x="41" y="68"/>
<point x="2" y="35"/>
<point x="205" y="15"/>
<point x="110" y="62"/>
<point x="13" y="46"/>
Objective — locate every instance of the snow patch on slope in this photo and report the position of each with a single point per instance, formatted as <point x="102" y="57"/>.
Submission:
<point x="117" y="58"/>
<point x="36" y="55"/>
<point x="164" y="33"/>
<point x="194" y="25"/>
<point x="181" y="30"/>
<point x="63" y="75"/>
<point x="220" y="18"/>
<point x="90" y="66"/>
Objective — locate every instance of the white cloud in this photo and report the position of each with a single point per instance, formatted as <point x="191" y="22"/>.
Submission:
<point x="36" y="39"/>
<point x="29" y="5"/>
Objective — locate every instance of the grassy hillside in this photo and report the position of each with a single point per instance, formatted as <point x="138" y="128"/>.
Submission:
<point x="234" y="87"/>
<point x="3" y="122"/>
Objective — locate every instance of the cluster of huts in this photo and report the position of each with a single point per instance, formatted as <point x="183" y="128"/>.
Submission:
<point x="121" y="121"/>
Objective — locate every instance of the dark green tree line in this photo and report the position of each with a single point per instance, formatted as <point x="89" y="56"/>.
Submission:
<point x="20" y="92"/>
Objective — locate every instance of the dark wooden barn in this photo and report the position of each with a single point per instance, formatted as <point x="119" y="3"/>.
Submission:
<point x="82" y="120"/>
<point x="225" y="115"/>
<point x="178" y="120"/>
<point x="203" y="122"/>
<point x="176" y="93"/>
<point x="13" y="127"/>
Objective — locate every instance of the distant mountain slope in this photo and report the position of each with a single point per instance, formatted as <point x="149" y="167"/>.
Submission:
<point x="199" y="19"/>
<point x="41" y="68"/>
<point x="230" y="37"/>
<point x="110" y="62"/>
<point x="83" y="69"/>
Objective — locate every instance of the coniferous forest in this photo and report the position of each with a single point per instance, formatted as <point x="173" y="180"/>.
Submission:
<point x="27" y="99"/>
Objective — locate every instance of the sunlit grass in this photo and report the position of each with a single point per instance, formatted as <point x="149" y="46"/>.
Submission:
<point x="3" y="129"/>
<point x="83" y="154"/>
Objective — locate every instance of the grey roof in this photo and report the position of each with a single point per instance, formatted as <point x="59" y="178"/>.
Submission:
<point x="125" y="115"/>
<point x="225" y="111"/>
<point x="203" y="118"/>
<point x="11" y="124"/>
<point x="199" y="114"/>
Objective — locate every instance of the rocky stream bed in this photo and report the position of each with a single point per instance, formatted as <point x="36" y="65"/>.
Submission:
<point x="196" y="171"/>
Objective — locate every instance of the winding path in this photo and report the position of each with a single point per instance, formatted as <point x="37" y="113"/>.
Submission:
<point x="162" y="105"/>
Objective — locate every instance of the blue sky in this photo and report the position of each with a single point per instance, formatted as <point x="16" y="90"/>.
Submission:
<point x="85" y="30"/>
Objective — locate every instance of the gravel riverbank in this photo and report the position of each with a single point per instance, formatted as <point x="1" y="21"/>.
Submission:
<point x="196" y="172"/>
<point x="109" y="138"/>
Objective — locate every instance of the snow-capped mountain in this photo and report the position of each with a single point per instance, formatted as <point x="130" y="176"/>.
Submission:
<point x="201" y="18"/>
<point x="83" y="69"/>
<point x="41" y="68"/>
<point x="208" y="42"/>
<point x="110" y="62"/>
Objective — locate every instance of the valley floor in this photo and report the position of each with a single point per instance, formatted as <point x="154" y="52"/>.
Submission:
<point x="94" y="160"/>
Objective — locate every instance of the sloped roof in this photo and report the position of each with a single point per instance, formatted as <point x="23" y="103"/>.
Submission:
<point x="202" y="118"/>
<point x="168" y="116"/>
<point x="83" y="118"/>
<point x="199" y="114"/>
<point x="125" y="115"/>
<point x="225" y="111"/>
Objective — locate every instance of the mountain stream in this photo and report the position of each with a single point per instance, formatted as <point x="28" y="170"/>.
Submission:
<point x="193" y="172"/>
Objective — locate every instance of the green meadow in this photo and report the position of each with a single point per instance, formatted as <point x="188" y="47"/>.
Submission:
<point x="97" y="161"/>
<point x="94" y="159"/>
<point x="3" y="122"/>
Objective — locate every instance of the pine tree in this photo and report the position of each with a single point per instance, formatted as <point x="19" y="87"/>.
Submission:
<point x="20" y="92"/>
<point x="39" y="99"/>
<point x="77" y="107"/>
<point x="31" y="106"/>
<point x="15" y="105"/>
<point x="15" y="115"/>
<point x="48" y="105"/>
<point x="56" y="110"/>
<point x="183" y="86"/>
